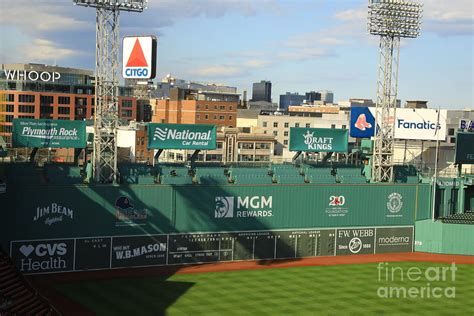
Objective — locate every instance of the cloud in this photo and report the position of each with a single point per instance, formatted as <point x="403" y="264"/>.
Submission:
<point x="221" y="71"/>
<point x="35" y="17"/>
<point x="306" y="54"/>
<point x="41" y="50"/>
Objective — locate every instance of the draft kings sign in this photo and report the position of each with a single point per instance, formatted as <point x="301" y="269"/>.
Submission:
<point x="181" y="136"/>
<point x="49" y="133"/>
<point x="318" y="139"/>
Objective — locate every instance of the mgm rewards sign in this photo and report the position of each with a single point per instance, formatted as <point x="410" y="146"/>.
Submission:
<point x="318" y="139"/>
<point x="181" y="136"/>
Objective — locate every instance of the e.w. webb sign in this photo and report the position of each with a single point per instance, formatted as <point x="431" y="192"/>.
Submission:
<point x="181" y="136"/>
<point x="49" y="133"/>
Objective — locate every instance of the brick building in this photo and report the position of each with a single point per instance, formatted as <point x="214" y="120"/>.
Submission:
<point x="186" y="106"/>
<point x="50" y="92"/>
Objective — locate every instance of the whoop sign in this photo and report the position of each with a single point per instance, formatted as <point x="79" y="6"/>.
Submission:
<point x="139" y="57"/>
<point x="181" y="136"/>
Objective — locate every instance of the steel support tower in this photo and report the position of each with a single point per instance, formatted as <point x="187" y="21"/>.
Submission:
<point x="391" y="20"/>
<point x="106" y="116"/>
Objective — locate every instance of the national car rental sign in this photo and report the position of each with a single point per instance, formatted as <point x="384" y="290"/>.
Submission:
<point x="139" y="57"/>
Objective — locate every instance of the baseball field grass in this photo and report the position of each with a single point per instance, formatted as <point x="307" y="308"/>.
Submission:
<point x="362" y="289"/>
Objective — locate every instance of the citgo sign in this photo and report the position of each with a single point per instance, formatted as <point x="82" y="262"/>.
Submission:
<point x="139" y="57"/>
<point x="181" y="136"/>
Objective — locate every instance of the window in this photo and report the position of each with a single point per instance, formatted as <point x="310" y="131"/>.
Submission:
<point x="9" y="118"/>
<point x="262" y="146"/>
<point x="64" y="100"/>
<point x="10" y="97"/>
<point x="287" y="124"/>
<point x="297" y="124"/>
<point x="333" y="125"/>
<point x="275" y="124"/>
<point x="219" y="145"/>
<point x="127" y="113"/>
<point x="206" y="117"/>
<point x="8" y="128"/>
<point x="215" y="116"/>
<point x="207" y="106"/>
<point x="230" y="107"/>
<point x="230" y="117"/>
<point x="198" y="106"/>
<point x="46" y="109"/>
<point x="26" y="109"/>
<point x="285" y="142"/>
<point x="221" y="117"/>
<point x="213" y="157"/>
<point x="285" y="133"/>
<point x="27" y="98"/>
<point x="451" y="131"/>
<point x="452" y="140"/>
<point x="308" y="125"/>
<point x="198" y="116"/>
<point x="9" y="108"/>
<point x="246" y="145"/>
<point x="63" y="118"/>
<point x="222" y="107"/>
<point x="344" y="126"/>
<point x="265" y="124"/>
<point x="275" y="133"/>
<point x="215" y="107"/>
<point x="127" y="103"/>
<point x="80" y="111"/>
<point x="26" y="116"/>
<point x="64" y="110"/>
<point x="262" y="158"/>
<point x="81" y="101"/>
<point x="46" y="99"/>
<point x="245" y="157"/>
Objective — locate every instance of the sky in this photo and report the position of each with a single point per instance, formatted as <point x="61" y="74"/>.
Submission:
<point x="299" y="45"/>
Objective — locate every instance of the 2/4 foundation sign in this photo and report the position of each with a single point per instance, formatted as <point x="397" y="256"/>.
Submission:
<point x="139" y="57"/>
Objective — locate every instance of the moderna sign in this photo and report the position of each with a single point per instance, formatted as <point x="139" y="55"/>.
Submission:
<point x="412" y="124"/>
<point x="139" y="57"/>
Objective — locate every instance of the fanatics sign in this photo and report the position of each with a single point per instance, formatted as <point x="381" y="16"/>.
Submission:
<point x="139" y="57"/>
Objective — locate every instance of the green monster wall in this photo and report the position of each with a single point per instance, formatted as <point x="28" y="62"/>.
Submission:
<point x="82" y="211"/>
<point x="75" y="228"/>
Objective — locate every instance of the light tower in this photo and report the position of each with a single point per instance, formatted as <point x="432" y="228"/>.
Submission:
<point x="391" y="20"/>
<point x="106" y="82"/>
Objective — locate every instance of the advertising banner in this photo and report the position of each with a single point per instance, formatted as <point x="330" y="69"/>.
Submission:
<point x="139" y="57"/>
<point x="181" y="136"/>
<point x="49" y="133"/>
<point x="464" y="148"/>
<point x="410" y="124"/>
<point x="109" y="252"/>
<point x="318" y="139"/>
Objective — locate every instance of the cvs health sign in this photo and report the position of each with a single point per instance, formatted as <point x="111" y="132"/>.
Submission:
<point x="139" y="57"/>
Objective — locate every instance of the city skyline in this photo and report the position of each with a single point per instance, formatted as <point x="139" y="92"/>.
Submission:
<point x="299" y="46"/>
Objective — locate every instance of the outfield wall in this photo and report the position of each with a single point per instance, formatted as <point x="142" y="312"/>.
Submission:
<point x="68" y="219"/>
<point x="444" y="238"/>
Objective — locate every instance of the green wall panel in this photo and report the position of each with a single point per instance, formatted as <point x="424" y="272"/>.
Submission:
<point x="439" y="237"/>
